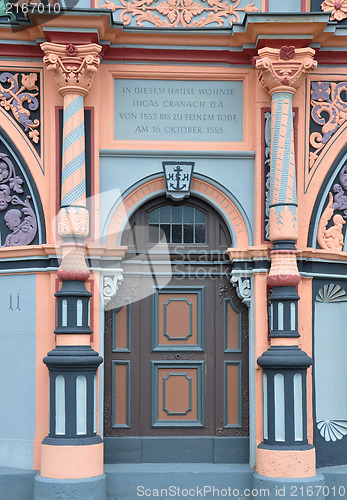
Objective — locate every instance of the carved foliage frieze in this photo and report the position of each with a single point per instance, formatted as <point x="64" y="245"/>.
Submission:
<point x="181" y="13"/>
<point x="22" y="223"/>
<point x="19" y="96"/>
<point x="328" y="114"/>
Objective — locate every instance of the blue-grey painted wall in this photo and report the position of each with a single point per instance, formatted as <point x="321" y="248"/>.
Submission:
<point x="119" y="173"/>
<point x="17" y="370"/>
<point x="287" y="6"/>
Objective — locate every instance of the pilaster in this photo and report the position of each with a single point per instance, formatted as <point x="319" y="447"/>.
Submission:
<point x="72" y="450"/>
<point x="281" y="72"/>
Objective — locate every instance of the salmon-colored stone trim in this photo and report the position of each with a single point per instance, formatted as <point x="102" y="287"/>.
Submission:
<point x="283" y="463"/>
<point x="284" y="341"/>
<point x="73" y="339"/>
<point x="72" y="462"/>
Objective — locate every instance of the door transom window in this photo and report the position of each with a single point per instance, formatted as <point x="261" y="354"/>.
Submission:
<point x="179" y="223"/>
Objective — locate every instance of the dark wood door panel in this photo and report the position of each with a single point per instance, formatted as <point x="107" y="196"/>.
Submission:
<point x="155" y="379"/>
<point x="176" y="353"/>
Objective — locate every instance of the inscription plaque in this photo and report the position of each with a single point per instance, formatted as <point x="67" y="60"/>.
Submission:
<point x="171" y="110"/>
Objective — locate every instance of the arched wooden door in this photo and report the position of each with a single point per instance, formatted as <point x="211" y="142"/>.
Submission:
<point x="176" y="356"/>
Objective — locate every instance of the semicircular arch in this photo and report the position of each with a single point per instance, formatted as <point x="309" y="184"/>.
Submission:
<point x="11" y="149"/>
<point x="202" y="187"/>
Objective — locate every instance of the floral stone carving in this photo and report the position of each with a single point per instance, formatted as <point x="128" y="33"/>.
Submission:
<point x="329" y="111"/>
<point x="182" y="13"/>
<point x="284" y="69"/>
<point x="74" y="66"/>
<point x="338" y="9"/>
<point x="18" y="95"/>
<point x="22" y="231"/>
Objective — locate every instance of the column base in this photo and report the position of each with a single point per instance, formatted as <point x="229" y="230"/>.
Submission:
<point x="286" y="462"/>
<point x="72" y="462"/>
<point x="275" y="488"/>
<point x="91" y="488"/>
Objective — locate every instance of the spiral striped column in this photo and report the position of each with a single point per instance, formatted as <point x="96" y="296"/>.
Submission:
<point x="73" y="178"/>
<point x="72" y="453"/>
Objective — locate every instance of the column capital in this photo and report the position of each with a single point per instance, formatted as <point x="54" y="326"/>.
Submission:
<point x="74" y="66"/>
<point x="284" y="69"/>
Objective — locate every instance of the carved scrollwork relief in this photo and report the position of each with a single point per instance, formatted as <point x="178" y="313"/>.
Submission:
<point x="111" y="285"/>
<point x="19" y="95"/>
<point x="23" y="231"/>
<point x="180" y="13"/>
<point x="242" y="281"/>
<point x="328" y="111"/>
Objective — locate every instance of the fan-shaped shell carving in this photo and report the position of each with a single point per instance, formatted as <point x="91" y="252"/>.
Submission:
<point x="331" y="293"/>
<point x="332" y="430"/>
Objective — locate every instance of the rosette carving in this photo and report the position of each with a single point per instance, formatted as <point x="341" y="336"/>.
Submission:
<point x="74" y="66"/>
<point x="338" y="9"/>
<point x="284" y="68"/>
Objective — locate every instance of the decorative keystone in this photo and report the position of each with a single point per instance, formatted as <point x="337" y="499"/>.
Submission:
<point x="74" y="66"/>
<point x="284" y="69"/>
